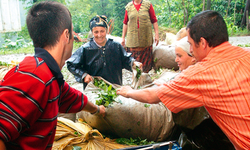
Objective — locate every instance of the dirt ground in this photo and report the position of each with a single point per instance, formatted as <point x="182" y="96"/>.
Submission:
<point x="242" y="40"/>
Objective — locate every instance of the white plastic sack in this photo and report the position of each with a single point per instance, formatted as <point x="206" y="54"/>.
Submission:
<point x="170" y="38"/>
<point x="164" y="57"/>
<point x="130" y="118"/>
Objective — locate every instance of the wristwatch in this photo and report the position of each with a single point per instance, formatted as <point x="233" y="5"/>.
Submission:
<point x="97" y="112"/>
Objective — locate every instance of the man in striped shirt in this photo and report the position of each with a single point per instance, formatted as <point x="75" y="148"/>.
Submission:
<point x="219" y="81"/>
<point x="33" y="92"/>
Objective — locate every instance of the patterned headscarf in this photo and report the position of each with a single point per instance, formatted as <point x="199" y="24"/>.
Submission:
<point x="98" y="21"/>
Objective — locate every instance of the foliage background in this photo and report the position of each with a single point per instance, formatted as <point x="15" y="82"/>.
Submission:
<point x="171" y="14"/>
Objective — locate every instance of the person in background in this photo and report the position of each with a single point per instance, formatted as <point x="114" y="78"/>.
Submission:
<point x="34" y="91"/>
<point x="100" y="56"/>
<point x="219" y="80"/>
<point x="137" y="25"/>
<point x="183" y="56"/>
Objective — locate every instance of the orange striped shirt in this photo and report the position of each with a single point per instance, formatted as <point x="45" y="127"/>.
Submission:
<point x="221" y="83"/>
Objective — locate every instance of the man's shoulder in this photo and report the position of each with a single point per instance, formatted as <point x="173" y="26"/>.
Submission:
<point x="193" y="69"/>
<point x="35" y="67"/>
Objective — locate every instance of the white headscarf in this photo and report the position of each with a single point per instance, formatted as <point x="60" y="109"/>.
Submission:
<point x="183" y="44"/>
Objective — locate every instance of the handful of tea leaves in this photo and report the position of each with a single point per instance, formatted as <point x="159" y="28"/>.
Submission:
<point x="107" y="95"/>
<point x="138" y="74"/>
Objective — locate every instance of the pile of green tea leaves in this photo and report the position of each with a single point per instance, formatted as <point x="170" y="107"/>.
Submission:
<point x="4" y="64"/>
<point x="107" y="95"/>
<point x="157" y="73"/>
<point x="138" y="74"/>
<point x="136" y="141"/>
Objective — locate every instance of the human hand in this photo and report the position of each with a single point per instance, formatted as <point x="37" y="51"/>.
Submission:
<point x="102" y="111"/>
<point x="139" y="64"/>
<point x="88" y="78"/>
<point x="123" y="91"/>
<point x="123" y="42"/>
<point x="156" y="39"/>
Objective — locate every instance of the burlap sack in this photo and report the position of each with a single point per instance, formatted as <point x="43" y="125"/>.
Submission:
<point x="142" y="82"/>
<point x="3" y="71"/>
<point x="170" y="38"/>
<point x="164" y="57"/>
<point x="130" y="118"/>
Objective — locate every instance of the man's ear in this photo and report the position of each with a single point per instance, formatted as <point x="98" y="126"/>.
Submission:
<point x="203" y="43"/>
<point x="66" y="35"/>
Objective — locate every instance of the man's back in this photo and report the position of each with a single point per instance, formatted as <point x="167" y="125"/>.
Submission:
<point x="28" y="104"/>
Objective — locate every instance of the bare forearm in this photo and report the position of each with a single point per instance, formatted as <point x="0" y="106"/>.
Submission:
<point x="124" y="30"/>
<point x="90" y="107"/>
<point x="145" y="96"/>
<point x="156" y="33"/>
<point x="155" y="25"/>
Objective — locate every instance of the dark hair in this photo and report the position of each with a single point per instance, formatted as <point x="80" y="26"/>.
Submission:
<point x="46" y="21"/>
<point x="210" y="25"/>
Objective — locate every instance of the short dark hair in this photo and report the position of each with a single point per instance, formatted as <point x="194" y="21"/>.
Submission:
<point x="210" y="25"/>
<point x="46" y="21"/>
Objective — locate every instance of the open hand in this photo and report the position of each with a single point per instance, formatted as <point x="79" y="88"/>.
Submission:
<point x="88" y="78"/>
<point x="139" y="64"/>
<point x="123" y="42"/>
<point x="123" y="91"/>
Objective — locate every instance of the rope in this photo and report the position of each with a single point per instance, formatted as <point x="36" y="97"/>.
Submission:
<point x="111" y="26"/>
<point x="77" y="38"/>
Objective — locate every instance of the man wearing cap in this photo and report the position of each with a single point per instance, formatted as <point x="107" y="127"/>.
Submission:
<point x="100" y="56"/>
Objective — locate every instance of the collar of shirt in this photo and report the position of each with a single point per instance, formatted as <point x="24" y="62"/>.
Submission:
<point x="137" y="4"/>
<point x="216" y="51"/>
<point x="51" y="63"/>
<point x="99" y="45"/>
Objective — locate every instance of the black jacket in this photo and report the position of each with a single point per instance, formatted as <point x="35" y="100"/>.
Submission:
<point x="107" y="61"/>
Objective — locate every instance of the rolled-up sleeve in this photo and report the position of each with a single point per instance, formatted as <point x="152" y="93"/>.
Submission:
<point x="179" y="94"/>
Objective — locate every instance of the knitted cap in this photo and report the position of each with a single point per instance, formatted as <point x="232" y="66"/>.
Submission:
<point x="98" y="21"/>
<point x="183" y="44"/>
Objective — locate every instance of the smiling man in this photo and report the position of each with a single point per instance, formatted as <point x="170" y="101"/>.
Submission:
<point x="100" y="57"/>
<point x="219" y="81"/>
